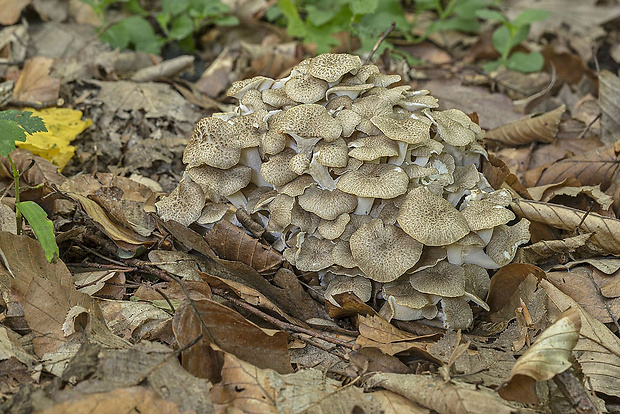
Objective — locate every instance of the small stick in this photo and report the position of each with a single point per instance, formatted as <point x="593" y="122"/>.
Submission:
<point x="381" y="40"/>
<point x="574" y="391"/>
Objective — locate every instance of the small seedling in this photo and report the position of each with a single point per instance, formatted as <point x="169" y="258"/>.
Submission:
<point x="509" y="35"/>
<point x="455" y="15"/>
<point x="14" y="125"/>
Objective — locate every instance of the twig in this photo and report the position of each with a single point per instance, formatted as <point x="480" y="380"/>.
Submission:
<point x="285" y="326"/>
<point x="589" y="126"/>
<point x="381" y="40"/>
<point x="174" y="354"/>
<point x="574" y="391"/>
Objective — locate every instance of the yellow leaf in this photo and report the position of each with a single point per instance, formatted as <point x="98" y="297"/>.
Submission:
<point x="63" y="126"/>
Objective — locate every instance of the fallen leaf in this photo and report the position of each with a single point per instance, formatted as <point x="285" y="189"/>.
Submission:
<point x="548" y="356"/>
<point x="230" y="332"/>
<point x="10" y="10"/>
<point x="63" y="126"/>
<point x="605" y="231"/>
<point x="551" y="251"/>
<point x="232" y="243"/>
<point x="542" y="128"/>
<point x="609" y="93"/>
<point x="35" y="83"/>
<point x="598" y="349"/>
<point x="506" y="282"/>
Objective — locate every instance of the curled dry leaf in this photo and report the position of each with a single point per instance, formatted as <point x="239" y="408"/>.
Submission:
<point x="542" y="128"/>
<point x="606" y="231"/>
<point x="609" y="101"/>
<point x="35" y="83"/>
<point x="549" y="355"/>
<point x="445" y="397"/>
<point x="599" y="166"/>
<point x="551" y="251"/>
<point x="597" y="350"/>
<point x="498" y="174"/>
<point x="506" y="282"/>
<point x="228" y="331"/>
<point x="232" y="243"/>
<point x="572" y="188"/>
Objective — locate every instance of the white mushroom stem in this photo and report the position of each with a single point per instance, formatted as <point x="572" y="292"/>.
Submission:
<point x="251" y="158"/>
<point x="321" y="175"/>
<point x="244" y="110"/>
<point x="485" y="235"/>
<point x="477" y="256"/>
<point x="455" y="253"/>
<point x="364" y="205"/>
<point x="281" y="82"/>
<point x="476" y="300"/>
<point x="402" y="153"/>
<point x="304" y="145"/>
<point x="421" y="161"/>
<point x="237" y="199"/>
<point x="403" y="313"/>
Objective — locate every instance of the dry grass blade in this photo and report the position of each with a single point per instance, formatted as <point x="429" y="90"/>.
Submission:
<point x="542" y="128"/>
<point x="232" y="243"/>
<point x="605" y="231"/>
<point x="599" y="166"/>
<point x="609" y="101"/>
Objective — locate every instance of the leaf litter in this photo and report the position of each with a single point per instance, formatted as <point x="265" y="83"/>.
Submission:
<point x="159" y="317"/>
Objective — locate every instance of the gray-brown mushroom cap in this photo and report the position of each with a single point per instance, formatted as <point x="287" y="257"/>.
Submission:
<point x="375" y="180"/>
<point x="309" y="121"/>
<point x="325" y="203"/>
<point x="314" y="254"/>
<point x="410" y="130"/>
<point x="383" y="251"/>
<point x="431" y="219"/>
<point x="183" y="205"/>
<point x="213" y="143"/>
<point x="221" y="182"/>
<point x="444" y="279"/>
<point x="305" y="89"/>
<point x="332" y="66"/>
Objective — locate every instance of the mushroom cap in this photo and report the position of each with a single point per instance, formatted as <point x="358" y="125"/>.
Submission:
<point x="332" y="66"/>
<point x="373" y="147"/>
<point x="444" y="279"/>
<point x="272" y="142"/>
<point x="339" y="102"/>
<point x="277" y="98"/>
<point x="405" y="295"/>
<point x="383" y="251"/>
<point x="325" y="203"/>
<point x="349" y="90"/>
<point x="503" y="245"/>
<point x="431" y="219"/>
<point x="305" y="89"/>
<point x="455" y="128"/>
<point x="309" y="121"/>
<point x="314" y="254"/>
<point x="183" y="205"/>
<point x="299" y="164"/>
<point x="375" y="180"/>
<point x="280" y="209"/>
<point x="349" y="120"/>
<point x="213" y="143"/>
<point x="221" y="182"/>
<point x="212" y="212"/>
<point x="276" y="170"/>
<point x="332" y="229"/>
<point x="306" y="221"/>
<point x="410" y="130"/>
<point x="297" y="186"/>
<point x="359" y="286"/>
<point x="259" y="83"/>
<point x="249" y="129"/>
<point x="342" y="255"/>
<point x="483" y="214"/>
<point x="253" y="100"/>
<point x="456" y="313"/>
<point x="332" y="154"/>
<point x="383" y="80"/>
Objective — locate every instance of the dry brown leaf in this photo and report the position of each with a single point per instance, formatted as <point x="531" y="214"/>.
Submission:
<point x="505" y="283"/>
<point x="350" y="305"/>
<point x="55" y="311"/>
<point x="35" y="84"/>
<point x="599" y="166"/>
<point x="551" y="251"/>
<point x="247" y="389"/>
<point x="563" y="148"/>
<point x="120" y="400"/>
<point x="585" y="285"/>
<point x="548" y="356"/>
<point x="368" y="360"/>
<point x="232" y="243"/>
<point x="542" y="128"/>
<point x="230" y="332"/>
<point x="376" y="332"/>
<point x="445" y="397"/>
<point x="598" y="349"/>
<point x="516" y="159"/>
<point x="606" y="231"/>
<point x="42" y="170"/>
<point x="570" y="187"/>
<point x="609" y="101"/>
<point x="498" y="174"/>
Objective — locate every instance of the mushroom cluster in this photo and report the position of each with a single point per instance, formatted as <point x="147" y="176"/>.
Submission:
<point x="358" y="181"/>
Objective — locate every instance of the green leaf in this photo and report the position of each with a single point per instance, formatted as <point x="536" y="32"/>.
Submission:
<point x="9" y="133"/>
<point x="491" y="66"/>
<point x="227" y="21"/>
<point x="520" y="35"/>
<point x="174" y="7"/>
<point x="181" y="27"/>
<point x="295" y="26"/>
<point x="530" y="16"/>
<point x="363" y="7"/>
<point x="525" y="62"/>
<point x="43" y="228"/>
<point x="116" y="36"/>
<point x="501" y="40"/>
<point x="24" y="119"/>
<point x="491" y="15"/>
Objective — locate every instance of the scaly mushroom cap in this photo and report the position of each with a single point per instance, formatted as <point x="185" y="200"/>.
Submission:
<point x="454" y="127"/>
<point x="372" y="148"/>
<point x="221" y="182"/>
<point x="239" y="88"/>
<point x="359" y="286"/>
<point x="332" y="154"/>
<point x="375" y="180"/>
<point x="411" y="131"/>
<point x="503" y="245"/>
<point x="482" y="214"/>
<point x="325" y="203"/>
<point x="431" y="219"/>
<point x="314" y="255"/>
<point x="309" y="121"/>
<point x="332" y="229"/>
<point x="213" y="143"/>
<point x="183" y="205"/>
<point x="305" y="89"/>
<point x="383" y="251"/>
<point x="443" y="279"/>
<point x="332" y="66"/>
<point x="276" y="171"/>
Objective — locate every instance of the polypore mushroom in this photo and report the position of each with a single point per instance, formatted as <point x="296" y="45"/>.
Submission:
<point x="183" y="205"/>
<point x="213" y="143"/>
<point x="359" y="286"/>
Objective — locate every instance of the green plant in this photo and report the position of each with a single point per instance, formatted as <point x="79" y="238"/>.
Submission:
<point x="315" y="21"/>
<point x="454" y="15"/>
<point x="178" y="20"/>
<point x="14" y="125"/>
<point x="511" y="34"/>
